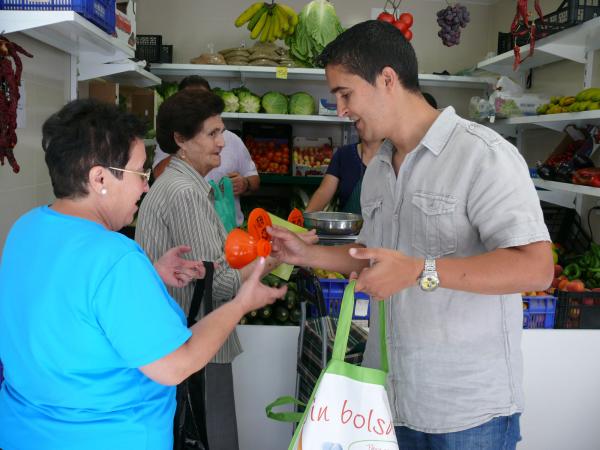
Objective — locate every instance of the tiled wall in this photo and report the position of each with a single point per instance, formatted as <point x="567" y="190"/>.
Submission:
<point x="46" y="84"/>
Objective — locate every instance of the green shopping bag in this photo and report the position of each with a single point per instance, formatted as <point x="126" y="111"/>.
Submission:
<point x="348" y="408"/>
<point x="225" y="202"/>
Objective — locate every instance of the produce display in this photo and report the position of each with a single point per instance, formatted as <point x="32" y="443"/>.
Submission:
<point x="451" y="19"/>
<point x="244" y="101"/>
<point x="10" y="80"/>
<point x="285" y="311"/>
<point x="268" y="21"/>
<point x="401" y="21"/>
<point x="586" y="100"/>
<point x="260" y="54"/>
<point x="581" y="272"/>
<point x="269" y="155"/>
<point x="318" y="25"/>
<point x="312" y="160"/>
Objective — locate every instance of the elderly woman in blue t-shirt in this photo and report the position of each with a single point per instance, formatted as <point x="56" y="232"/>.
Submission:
<point x="91" y="342"/>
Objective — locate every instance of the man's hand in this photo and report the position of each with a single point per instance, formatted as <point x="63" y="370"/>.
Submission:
<point x="238" y="182"/>
<point x="176" y="271"/>
<point x="288" y="247"/>
<point x="391" y="271"/>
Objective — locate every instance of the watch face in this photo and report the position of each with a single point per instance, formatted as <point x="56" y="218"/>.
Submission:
<point x="429" y="283"/>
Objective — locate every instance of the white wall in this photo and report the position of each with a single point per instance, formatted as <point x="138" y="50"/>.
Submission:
<point x="189" y="25"/>
<point x="46" y="83"/>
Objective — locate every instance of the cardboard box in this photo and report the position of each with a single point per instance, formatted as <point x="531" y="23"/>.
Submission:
<point x="103" y="91"/>
<point x="125" y="27"/>
<point x="311" y="156"/>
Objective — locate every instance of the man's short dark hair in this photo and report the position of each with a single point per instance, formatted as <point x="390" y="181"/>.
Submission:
<point x="430" y="99"/>
<point x="84" y="134"/>
<point x="368" y="47"/>
<point x="194" y="81"/>
<point x="185" y="113"/>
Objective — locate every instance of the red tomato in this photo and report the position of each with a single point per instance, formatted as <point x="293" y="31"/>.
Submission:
<point x="407" y="18"/>
<point x="386" y="17"/>
<point x="408" y="35"/>
<point x="401" y="26"/>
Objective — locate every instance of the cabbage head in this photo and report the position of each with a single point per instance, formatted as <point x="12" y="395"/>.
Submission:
<point x="232" y="103"/>
<point x="274" y="103"/>
<point x="249" y="103"/>
<point x="302" y="103"/>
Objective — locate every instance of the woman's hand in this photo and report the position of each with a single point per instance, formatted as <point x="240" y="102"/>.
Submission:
<point x="253" y="294"/>
<point x="176" y="271"/>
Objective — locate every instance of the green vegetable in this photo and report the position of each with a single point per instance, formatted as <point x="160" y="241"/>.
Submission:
<point x="302" y="103"/>
<point x="249" y="103"/>
<point x="572" y="271"/>
<point x="318" y="25"/>
<point x="232" y="103"/>
<point x="166" y="89"/>
<point x="274" y="103"/>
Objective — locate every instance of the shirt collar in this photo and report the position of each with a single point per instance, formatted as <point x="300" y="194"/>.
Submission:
<point x="183" y="167"/>
<point x="439" y="132"/>
<point x="434" y="140"/>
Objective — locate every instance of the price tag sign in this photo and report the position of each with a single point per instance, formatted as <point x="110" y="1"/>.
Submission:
<point x="281" y="73"/>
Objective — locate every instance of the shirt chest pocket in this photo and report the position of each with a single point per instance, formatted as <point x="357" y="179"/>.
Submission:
<point x="373" y="223"/>
<point x="434" y="228"/>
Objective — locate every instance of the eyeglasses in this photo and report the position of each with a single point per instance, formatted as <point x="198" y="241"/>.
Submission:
<point x="145" y="175"/>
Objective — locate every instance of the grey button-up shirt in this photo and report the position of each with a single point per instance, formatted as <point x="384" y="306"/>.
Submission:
<point x="455" y="357"/>
<point x="179" y="210"/>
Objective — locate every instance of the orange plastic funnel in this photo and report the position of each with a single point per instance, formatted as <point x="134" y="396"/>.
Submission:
<point x="241" y="248"/>
<point x="258" y="221"/>
<point x="296" y="217"/>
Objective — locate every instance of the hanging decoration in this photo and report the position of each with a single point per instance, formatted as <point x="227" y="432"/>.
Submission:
<point x="401" y="21"/>
<point x="521" y="26"/>
<point x="10" y="80"/>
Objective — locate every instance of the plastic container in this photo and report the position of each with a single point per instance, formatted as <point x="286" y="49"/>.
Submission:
<point x="333" y="292"/>
<point x="578" y="310"/>
<point x="311" y="156"/>
<point x="99" y="12"/>
<point x="568" y="14"/>
<point x="148" y="47"/>
<point x="539" y="312"/>
<point x="166" y="54"/>
<point x="564" y="226"/>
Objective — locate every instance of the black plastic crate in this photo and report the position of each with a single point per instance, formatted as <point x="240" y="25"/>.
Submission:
<point x="578" y="310"/>
<point x="148" y="47"/>
<point x="564" y="226"/>
<point x="568" y="14"/>
<point x="166" y="54"/>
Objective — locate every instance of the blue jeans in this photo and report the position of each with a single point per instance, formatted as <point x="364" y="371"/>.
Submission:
<point x="500" y="433"/>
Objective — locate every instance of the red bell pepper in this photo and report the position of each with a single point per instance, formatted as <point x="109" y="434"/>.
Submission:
<point x="588" y="177"/>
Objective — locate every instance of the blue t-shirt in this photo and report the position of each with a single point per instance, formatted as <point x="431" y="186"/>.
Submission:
<point x="81" y="308"/>
<point x="347" y="166"/>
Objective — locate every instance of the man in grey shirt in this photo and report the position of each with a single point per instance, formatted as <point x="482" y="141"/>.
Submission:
<point x="453" y="231"/>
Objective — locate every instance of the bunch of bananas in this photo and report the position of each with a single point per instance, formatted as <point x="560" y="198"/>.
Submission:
<point x="268" y="21"/>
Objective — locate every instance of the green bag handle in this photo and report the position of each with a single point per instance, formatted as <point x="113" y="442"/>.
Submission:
<point x="225" y="202"/>
<point x="284" y="416"/>
<point x="342" y="333"/>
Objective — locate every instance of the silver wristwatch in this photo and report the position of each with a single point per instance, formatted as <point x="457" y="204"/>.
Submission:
<point x="429" y="279"/>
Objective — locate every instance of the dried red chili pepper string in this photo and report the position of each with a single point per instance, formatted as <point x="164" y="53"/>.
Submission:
<point x="10" y="80"/>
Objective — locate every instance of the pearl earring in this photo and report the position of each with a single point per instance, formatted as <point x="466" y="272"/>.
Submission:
<point x="103" y="191"/>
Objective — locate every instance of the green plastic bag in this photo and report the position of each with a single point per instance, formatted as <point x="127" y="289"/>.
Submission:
<point x="225" y="202"/>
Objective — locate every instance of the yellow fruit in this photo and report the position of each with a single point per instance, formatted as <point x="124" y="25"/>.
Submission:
<point x="266" y="28"/>
<point x="248" y="14"/>
<point x="259" y="25"/>
<point x="292" y="16"/>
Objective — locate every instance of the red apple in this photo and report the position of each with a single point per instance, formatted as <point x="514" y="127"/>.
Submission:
<point x="558" y="270"/>
<point x="407" y="18"/>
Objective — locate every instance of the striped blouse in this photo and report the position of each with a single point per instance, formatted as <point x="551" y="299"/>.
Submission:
<point x="179" y="210"/>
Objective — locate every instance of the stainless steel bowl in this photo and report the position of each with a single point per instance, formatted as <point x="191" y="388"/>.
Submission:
<point x="339" y="223"/>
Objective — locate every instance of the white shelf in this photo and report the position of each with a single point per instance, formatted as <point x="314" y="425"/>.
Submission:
<point x="69" y="32"/>
<point x="175" y="71"/>
<point x="572" y="44"/>
<point x="553" y="121"/>
<point x="566" y="187"/>
<point x="127" y="73"/>
<point x="73" y="34"/>
<point x="285" y="118"/>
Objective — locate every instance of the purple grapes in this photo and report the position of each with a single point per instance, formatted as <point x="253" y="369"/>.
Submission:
<point x="451" y="19"/>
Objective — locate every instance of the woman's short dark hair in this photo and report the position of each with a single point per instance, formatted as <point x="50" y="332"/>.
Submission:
<point x="185" y="113"/>
<point x="84" y="134"/>
<point x="368" y="47"/>
<point x="194" y="81"/>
